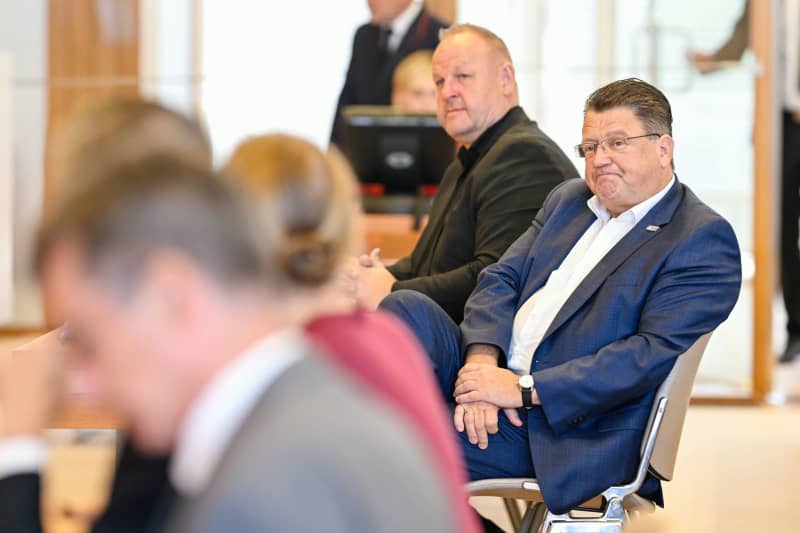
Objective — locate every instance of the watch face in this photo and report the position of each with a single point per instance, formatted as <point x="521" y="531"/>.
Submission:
<point x="526" y="381"/>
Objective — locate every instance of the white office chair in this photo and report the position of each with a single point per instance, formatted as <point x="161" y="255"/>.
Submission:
<point x="609" y="511"/>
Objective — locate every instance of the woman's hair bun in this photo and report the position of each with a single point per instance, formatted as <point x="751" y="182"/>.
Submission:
<point x="307" y="260"/>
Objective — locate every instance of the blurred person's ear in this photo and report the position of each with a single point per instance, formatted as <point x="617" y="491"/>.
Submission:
<point x="173" y="295"/>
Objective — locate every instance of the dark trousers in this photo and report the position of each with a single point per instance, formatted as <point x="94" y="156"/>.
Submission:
<point x="508" y="453"/>
<point x="790" y="218"/>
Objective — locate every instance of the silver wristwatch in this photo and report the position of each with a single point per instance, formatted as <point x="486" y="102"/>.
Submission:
<point x="525" y="384"/>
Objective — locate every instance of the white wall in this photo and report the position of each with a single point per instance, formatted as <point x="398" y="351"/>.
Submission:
<point x="555" y="68"/>
<point x="166" y="43"/>
<point x="6" y="192"/>
<point x="275" y="65"/>
<point x="23" y="27"/>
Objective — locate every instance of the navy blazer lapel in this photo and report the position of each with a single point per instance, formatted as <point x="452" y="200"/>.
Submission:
<point x="554" y="244"/>
<point x="658" y="216"/>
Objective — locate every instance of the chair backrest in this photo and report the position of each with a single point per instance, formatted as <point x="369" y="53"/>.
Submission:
<point x="677" y="388"/>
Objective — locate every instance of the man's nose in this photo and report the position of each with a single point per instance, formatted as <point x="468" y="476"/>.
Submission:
<point x="449" y="88"/>
<point x="602" y="155"/>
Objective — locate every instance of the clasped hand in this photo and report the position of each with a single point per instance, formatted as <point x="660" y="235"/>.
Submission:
<point x="367" y="280"/>
<point x="481" y="390"/>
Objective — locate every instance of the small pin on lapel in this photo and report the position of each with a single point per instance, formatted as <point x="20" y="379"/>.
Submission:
<point x="653" y="228"/>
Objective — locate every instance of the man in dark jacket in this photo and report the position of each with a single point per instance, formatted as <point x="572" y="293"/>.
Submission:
<point x="397" y="28"/>
<point x="490" y="193"/>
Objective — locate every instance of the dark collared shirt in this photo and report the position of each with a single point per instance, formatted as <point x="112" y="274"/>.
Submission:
<point x="470" y="156"/>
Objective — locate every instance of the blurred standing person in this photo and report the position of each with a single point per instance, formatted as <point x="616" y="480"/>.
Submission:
<point x="396" y="29"/>
<point x="789" y="48"/>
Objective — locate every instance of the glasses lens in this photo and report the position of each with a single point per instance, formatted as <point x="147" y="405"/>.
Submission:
<point x="616" y="144"/>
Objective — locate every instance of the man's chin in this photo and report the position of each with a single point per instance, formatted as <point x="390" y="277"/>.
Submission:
<point x="456" y="131"/>
<point x="605" y="186"/>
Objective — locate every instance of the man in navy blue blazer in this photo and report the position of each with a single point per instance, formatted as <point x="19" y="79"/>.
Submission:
<point x="580" y="321"/>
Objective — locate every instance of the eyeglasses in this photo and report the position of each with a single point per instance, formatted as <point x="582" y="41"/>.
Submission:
<point x="615" y="144"/>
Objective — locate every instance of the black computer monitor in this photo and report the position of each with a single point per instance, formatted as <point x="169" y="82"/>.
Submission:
<point x="399" y="150"/>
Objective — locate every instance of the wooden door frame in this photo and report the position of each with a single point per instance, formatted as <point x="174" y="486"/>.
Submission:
<point x="766" y="148"/>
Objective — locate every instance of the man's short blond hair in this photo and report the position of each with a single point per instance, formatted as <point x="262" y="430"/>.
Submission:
<point x="489" y="37"/>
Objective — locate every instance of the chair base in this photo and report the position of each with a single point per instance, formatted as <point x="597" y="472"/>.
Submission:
<point x="602" y="514"/>
<point x="613" y="518"/>
<point x="584" y="526"/>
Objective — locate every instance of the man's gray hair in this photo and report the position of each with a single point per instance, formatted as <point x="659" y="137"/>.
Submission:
<point x="487" y="35"/>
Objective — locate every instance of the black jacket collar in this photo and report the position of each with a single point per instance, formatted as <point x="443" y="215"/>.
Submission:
<point x="469" y="156"/>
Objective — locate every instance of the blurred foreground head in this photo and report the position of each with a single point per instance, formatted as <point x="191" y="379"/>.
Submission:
<point x="159" y="271"/>
<point x="165" y="271"/>
<point x="307" y="206"/>
<point x="120" y="130"/>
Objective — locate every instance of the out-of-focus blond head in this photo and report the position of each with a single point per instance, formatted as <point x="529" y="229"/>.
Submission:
<point x="412" y="83"/>
<point x="306" y="205"/>
<point x="118" y="131"/>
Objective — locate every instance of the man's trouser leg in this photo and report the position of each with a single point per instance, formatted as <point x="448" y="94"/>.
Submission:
<point x="508" y="453"/>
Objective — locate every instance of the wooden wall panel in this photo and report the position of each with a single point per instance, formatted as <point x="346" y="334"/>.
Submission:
<point x="766" y="140"/>
<point x="93" y="52"/>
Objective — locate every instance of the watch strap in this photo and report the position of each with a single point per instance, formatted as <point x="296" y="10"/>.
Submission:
<point x="527" y="398"/>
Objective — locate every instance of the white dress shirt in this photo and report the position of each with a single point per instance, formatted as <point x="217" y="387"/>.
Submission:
<point x="21" y="455"/>
<point x="402" y="23"/>
<point x="215" y="416"/>
<point x="537" y="313"/>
